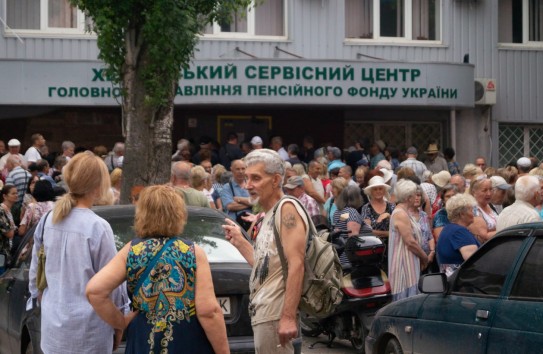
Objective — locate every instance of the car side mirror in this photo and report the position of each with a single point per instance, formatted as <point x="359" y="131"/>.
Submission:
<point x="435" y="283"/>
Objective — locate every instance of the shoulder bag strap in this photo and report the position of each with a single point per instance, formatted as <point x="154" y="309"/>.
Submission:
<point x="43" y="225"/>
<point x="151" y="265"/>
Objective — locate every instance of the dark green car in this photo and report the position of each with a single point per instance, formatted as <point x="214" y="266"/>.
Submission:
<point x="492" y="304"/>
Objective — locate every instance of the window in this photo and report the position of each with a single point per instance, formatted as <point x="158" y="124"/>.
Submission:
<point x="44" y="16"/>
<point x="418" y="20"/>
<point x="520" y="21"/>
<point x="486" y="273"/>
<point x="516" y="140"/>
<point x="266" y="18"/>
<point x="529" y="282"/>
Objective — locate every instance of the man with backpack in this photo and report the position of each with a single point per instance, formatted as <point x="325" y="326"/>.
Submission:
<point x="274" y="300"/>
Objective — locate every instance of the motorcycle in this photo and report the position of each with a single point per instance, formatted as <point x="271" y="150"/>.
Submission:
<point x="365" y="289"/>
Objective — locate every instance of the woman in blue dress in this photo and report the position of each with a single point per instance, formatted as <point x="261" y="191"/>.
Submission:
<point x="169" y="282"/>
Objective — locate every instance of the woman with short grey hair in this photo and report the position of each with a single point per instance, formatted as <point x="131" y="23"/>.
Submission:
<point x="406" y="258"/>
<point x="456" y="243"/>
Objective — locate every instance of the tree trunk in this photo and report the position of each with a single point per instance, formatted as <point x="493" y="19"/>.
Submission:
<point x="148" y="131"/>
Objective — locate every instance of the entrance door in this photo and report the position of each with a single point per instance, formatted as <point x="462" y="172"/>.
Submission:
<point x="245" y="127"/>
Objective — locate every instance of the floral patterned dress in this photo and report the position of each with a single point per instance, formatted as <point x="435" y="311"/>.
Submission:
<point x="167" y="321"/>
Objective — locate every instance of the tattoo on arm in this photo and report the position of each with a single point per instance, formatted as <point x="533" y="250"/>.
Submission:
<point x="289" y="221"/>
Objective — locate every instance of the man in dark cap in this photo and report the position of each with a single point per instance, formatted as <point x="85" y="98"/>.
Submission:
<point x="417" y="166"/>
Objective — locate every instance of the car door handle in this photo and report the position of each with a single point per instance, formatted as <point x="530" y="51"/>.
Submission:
<point x="482" y="314"/>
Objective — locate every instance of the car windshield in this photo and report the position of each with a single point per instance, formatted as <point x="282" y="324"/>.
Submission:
<point x="204" y="230"/>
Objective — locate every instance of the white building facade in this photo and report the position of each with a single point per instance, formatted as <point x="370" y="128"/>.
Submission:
<point x="403" y="71"/>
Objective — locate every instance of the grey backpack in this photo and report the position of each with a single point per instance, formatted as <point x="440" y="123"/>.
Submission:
<point x="321" y="291"/>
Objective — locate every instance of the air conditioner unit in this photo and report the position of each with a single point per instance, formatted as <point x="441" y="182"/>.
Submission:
<point x="485" y="92"/>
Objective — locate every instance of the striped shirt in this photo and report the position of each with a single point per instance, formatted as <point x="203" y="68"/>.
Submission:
<point x="19" y="178"/>
<point x="415" y="165"/>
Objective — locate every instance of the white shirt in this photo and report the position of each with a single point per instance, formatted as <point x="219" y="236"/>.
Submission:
<point x="520" y="212"/>
<point x="32" y="154"/>
<point x="283" y="153"/>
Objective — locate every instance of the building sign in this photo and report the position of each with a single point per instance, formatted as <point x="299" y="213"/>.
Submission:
<point x="300" y="82"/>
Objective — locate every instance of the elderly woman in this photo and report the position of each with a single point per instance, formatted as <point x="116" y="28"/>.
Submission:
<point x="484" y="223"/>
<point x="441" y="219"/>
<point x="427" y="240"/>
<point x="201" y="180"/>
<point x="456" y="243"/>
<point x="377" y="211"/>
<point x="346" y="217"/>
<point x="330" y="207"/>
<point x="78" y="243"/>
<point x="169" y="279"/>
<point x="406" y="258"/>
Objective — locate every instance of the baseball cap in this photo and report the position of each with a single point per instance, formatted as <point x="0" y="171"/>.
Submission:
<point x="524" y="162"/>
<point x="14" y="142"/>
<point x="294" y="181"/>
<point x="256" y="140"/>
<point x="499" y="182"/>
<point x="412" y="151"/>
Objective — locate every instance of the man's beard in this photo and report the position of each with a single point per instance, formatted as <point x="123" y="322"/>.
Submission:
<point x="254" y="199"/>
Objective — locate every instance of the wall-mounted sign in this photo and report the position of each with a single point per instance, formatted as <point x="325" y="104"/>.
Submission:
<point x="293" y="82"/>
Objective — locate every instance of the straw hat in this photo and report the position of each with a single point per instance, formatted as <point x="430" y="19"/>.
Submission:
<point x="432" y="149"/>
<point x="440" y="179"/>
<point x="376" y="181"/>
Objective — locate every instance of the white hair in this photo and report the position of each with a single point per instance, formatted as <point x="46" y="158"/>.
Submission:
<point x="273" y="163"/>
<point x="525" y="187"/>
<point x="404" y="189"/>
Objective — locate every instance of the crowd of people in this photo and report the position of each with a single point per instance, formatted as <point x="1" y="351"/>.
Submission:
<point x="432" y="214"/>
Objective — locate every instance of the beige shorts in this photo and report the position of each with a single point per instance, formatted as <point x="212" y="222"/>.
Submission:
<point x="267" y="339"/>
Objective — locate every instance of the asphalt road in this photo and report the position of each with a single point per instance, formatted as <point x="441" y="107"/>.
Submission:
<point x="338" y="347"/>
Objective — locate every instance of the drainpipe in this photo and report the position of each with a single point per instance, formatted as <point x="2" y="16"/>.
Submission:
<point x="453" y="129"/>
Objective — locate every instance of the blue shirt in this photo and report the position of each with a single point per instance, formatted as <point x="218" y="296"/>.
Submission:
<point x="44" y="177"/>
<point x="227" y="197"/>
<point x="440" y="219"/>
<point x="452" y="238"/>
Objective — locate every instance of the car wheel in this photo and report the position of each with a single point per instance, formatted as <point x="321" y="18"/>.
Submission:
<point x="358" y="335"/>
<point x="393" y="347"/>
<point x="309" y="328"/>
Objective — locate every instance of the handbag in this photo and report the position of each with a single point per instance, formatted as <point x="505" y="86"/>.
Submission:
<point x="41" y="280"/>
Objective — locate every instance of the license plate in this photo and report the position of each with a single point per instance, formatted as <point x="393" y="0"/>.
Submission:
<point x="224" y="302"/>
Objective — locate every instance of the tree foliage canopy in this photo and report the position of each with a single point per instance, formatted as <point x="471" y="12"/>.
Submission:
<point x="167" y="30"/>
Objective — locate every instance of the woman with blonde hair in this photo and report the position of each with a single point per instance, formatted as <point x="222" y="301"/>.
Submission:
<point x="77" y="243"/>
<point x="485" y="220"/>
<point x="169" y="279"/>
